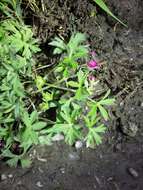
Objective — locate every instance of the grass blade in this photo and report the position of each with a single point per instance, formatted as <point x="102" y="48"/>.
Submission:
<point x="103" y="6"/>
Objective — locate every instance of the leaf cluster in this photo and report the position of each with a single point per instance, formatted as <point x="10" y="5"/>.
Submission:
<point x="72" y="51"/>
<point x="17" y="47"/>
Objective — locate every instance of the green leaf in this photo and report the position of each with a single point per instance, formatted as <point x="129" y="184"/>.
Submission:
<point x="40" y="82"/>
<point x="72" y="134"/>
<point x="73" y="84"/>
<point x="57" y="51"/>
<point x="93" y="111"/>
<point x="8" y="153"/>
<point x="107" y="102"/>
<point x="81" y="77"/>
<point x="33" y="117"/>
<point x="103" y="112"/>
<point x="93" y="137"/>
<point x="29" y="137"/>
<point x="58" y="43"/>
<point x="25" y="163"/>
<point x="66" y="116"/>
<point x="59" y="69"/>
<point x="57" y="128"/>
<point x="100" y="129"/>
<point x="81" y="94"/>
<point x="66" y="73"/>
<point x="76" y="40"/>
<point x="45" y="140"/>
<point x="26" y="119"/>
<point x="101" y="4"/>
<point x="47" y="96"/>
<point x="87" y="122"/>
<point x="39" y="125"/>
<point x="3" y="132"/>
<point x="13" y="162"/>
<point x="107" y="94"/>
<point x="44" y="106"/>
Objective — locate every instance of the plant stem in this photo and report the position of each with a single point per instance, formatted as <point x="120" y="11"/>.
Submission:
<point x="45" y="66"/>
<point x="58" y="87"/>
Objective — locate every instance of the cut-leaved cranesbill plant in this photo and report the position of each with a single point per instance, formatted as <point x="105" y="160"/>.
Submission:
<point x="78" y="115"/>
<point x="72" y="51"/>
<point x="18" y="129"/>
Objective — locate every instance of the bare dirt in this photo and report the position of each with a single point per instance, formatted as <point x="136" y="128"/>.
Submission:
<point x="118" y="163"/>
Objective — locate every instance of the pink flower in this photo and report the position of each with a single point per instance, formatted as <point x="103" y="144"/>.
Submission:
<point x="93" y="54"/>
<point x="92" y="64"/>
<point x="91" y="78"/>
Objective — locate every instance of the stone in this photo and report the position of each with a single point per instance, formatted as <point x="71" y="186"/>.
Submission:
<point x="62" y="170"/>
<point x="78" y="144"/>
<point x="10" y="175"/>
<point x="39" y="184"/>
<point x="3" y="177"/>
<point x="58" y="137"/>
<point x="133" y="172"/>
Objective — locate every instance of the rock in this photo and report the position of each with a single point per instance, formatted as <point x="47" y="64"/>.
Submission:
<point x="130" y="129"/>
<point x="62" y="170"/>
<point x="74" y="156"/>
<point x="133" y="172"/>
<point x="10" y="175"/>
<point x="58" y="137"/>
<point x="121" y="104"/>
<point x="3" y="177"/>
<point x="39" y="184"/>
<point x="78" y="144"/>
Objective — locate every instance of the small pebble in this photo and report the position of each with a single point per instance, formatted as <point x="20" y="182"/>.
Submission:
<point x="133" y="172"/>
<point x="58" y="137"/>
<point x="3" y="177"/>
<point x="121" y="104"/>
<point x="39" y="184"/>
<point x="78" y="144"/>
<point x="62" y="170"/>
<point x="10" y="176"/>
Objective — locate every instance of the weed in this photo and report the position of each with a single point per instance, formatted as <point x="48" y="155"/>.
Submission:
<point x="73" y="78"/>
<point x="105" y="8"/>
<point x="72" y="52"/>
<point x="17" y="128"/>
<point x="11" y="8"/>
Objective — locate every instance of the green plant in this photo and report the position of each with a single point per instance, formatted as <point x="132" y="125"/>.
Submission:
<point x="17" y="128"/>
<point x="72" y="93"/>
<point x="11" y="8"/>
<point x="105" y="8"/>
<point x="26" y="136"/>
<point x="67" y="121"/>
<point x="72" y="52"/>
<point x="66" y="88"/>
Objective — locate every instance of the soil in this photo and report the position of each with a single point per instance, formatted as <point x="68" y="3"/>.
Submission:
<point x="117" y="164"/>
